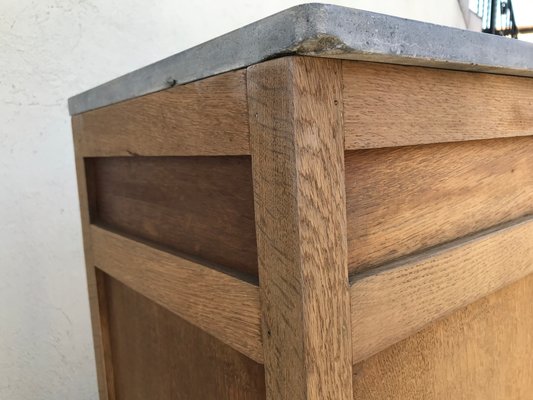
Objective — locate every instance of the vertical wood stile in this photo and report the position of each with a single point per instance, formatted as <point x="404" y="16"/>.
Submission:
<point x="97" y="304"/>
<point x="296" y="134"/>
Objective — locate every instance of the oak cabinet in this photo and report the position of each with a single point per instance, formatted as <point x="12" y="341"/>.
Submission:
<point x="340" y="213"/>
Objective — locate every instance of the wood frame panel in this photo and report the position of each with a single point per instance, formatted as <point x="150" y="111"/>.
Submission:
<point x="224" y="306"/>
<point x="397" y="300"/>
<point x="104" y="367"/>
<point x="389" y="105"/>
<point x="90" y="141"/>
<point x="207" y="117"/>
<point x="295" y="106"/>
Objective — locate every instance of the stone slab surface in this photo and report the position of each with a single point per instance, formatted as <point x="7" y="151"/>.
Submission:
<point x="320" y="30"/>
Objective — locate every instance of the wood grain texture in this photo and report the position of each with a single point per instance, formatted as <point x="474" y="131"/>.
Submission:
<point x="219" y="304"/>
<point x="97" y="300"/>
<point x="199" y="206"/>
<point x="297" y="156"/>
<point x="159" y="356"/>
<point x="391" y="105"/>
<point x="207" y="117"/>
<point x="481" y="352"/>
<point x="404" y="200"/>
<point x="397" y="300"/>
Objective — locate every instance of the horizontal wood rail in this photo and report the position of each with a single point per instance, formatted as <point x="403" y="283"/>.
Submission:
<point x="395" y="105"/>
<point x="224" y="306"/>
<point x="397" y="300"/>
<point x="208" y="117"/>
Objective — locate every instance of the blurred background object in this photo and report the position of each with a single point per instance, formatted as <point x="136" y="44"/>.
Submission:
<point x="498" y="17"/>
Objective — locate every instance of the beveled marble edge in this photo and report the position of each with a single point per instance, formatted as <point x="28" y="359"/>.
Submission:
<point x="320" y="30"/>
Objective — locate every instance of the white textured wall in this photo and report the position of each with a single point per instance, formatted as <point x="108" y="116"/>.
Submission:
<point x="50" y="50"/>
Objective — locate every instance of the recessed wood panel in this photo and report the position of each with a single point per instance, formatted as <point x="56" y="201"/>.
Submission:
<point x="407" y="199"/>
<point x="394" y="105"/>
<point x="158" y="356"/>
<point x="198" y="206"/>
<point x="481" y="352"/>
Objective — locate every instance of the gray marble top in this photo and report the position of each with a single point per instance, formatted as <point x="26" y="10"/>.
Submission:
<point x="320" y="30"/>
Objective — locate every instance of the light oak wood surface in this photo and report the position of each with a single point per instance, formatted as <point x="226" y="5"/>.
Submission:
<point x="404" y="200"/>
<point x="389" y="105"/>
<point x="481" y="352"/>
<point x="207" y="117"/>
<point x="158" y="355"/>
<point x="395" y="301"/>
<point x="221" y="305"/>
<point x="295" y="107"/>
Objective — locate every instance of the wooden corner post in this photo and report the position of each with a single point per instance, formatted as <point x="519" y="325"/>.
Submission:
<point x="296" y="133"/>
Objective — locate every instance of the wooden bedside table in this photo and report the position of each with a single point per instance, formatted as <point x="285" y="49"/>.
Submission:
<point x="325" y="204"/>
